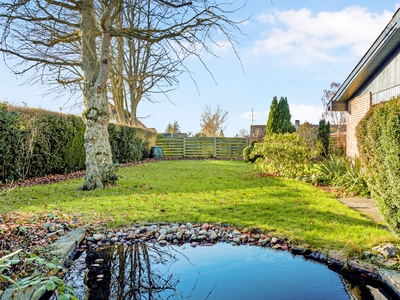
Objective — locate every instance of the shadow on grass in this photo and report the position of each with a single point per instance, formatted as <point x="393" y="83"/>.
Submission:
<point x="202" y="191"/>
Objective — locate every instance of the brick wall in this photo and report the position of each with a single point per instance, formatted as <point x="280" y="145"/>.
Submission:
<point x="358" y="107"/>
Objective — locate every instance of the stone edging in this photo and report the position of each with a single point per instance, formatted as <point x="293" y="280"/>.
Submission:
<point x="209" y="234"/>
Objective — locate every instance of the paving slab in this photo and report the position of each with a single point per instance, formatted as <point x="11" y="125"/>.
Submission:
<point x="364" y="205"/>
<point x="66" y="243"/>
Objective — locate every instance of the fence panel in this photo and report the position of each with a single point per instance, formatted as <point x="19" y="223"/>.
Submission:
<point x="203" y="147"/>
<point x="172" y="147"/>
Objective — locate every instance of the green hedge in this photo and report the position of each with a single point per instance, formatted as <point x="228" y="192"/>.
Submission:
<point x="35" y="142"/>
<point x="125" y="145"/>
<point x="48" y="143"/>
<point x="286" y="155"/>
<point x="378" y="136"/>
<point x="10" y="150"/>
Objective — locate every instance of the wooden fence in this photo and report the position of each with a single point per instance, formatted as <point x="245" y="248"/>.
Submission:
<point x="191" y="147"/>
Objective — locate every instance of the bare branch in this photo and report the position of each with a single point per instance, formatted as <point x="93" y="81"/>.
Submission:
<point x="175" y="5"/>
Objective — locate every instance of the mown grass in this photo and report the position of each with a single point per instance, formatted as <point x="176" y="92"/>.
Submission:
<point x="225" y="192"/>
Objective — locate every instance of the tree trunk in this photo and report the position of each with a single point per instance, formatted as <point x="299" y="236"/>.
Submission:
<point x="96" y="116"/>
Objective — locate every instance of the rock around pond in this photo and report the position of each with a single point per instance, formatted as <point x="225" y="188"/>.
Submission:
<point x="190" y="236"/>
<point x="150" y="271"/>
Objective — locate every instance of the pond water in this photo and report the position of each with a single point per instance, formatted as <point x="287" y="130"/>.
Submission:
<point x="221" y="271"/>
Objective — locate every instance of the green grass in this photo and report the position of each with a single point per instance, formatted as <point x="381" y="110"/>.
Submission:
<point x="226" y="192"/>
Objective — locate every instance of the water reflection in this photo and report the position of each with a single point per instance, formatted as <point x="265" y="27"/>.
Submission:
<point x="148" y="271"/>
<point x="129" y="272"/>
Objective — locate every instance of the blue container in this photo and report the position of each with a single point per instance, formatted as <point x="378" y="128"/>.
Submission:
<point x="156" y="152"/>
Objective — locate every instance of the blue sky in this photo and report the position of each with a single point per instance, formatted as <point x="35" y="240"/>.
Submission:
<point x="293" y="49"/>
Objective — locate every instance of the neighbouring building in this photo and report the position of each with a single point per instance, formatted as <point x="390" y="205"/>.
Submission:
<point x="376" y="78"/>
<point x="257" y="132"/>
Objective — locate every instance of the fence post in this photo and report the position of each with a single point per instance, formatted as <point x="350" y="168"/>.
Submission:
<point x="184" y="147"/>
<point x="215" y="147"/>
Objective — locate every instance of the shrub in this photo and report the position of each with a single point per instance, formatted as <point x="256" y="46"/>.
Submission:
<point x="378" y="136"/>
<point x="284" y="154"/>
<point x="352" y="181"/>
<point x="323" y="140"/>
<point x="329" y="169"/>
<point x="309" y="133"/>
<point x="247" y="151"/>
<point x="344" y="174"/>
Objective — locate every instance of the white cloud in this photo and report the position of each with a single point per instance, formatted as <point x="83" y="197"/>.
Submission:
<point x="305" y="112"/>
<point x="266" y="18"/>
<point x="397" y="6"/>
<point x="305" y="38"/>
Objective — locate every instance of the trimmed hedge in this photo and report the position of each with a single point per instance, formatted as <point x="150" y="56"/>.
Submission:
<point x="10" y="145"/>
<point x="378" y="136"/>
<point x="125" y="145"/>
<point x="35" y="142"/>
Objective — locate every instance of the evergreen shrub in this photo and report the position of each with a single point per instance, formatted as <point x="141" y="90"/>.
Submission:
<point x="285" y="154"/>
<point x="125" y="145"/>
<point x="378" y="137"/>
<point x="247" y="151"/>
<point x="51" y="143"/>
<point x="10" y="144"/>
<point x="344" y="174"/>
<point x="323" y="137"/>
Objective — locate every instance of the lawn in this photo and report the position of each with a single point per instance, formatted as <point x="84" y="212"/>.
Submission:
<point x="222" y="192"/>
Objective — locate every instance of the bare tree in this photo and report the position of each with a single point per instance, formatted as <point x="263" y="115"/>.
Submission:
<point x="243" y="133"/>
<point x="309" y="133"/>
<point x="141" y="67"/>
<point x="212" y="123"/>
<point x="173" y="128"/>
<point x="69" y="42"/>
<point x="336" y="118"/>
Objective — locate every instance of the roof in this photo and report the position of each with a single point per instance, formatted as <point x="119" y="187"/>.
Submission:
<point x="376" y="55"/>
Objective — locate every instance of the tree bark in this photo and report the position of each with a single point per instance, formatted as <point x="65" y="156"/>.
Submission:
<point x="96" y="116"/>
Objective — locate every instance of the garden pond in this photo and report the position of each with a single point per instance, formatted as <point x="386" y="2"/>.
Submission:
<point x="221" y="271"/>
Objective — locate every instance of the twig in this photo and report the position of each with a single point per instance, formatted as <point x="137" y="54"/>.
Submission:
<point x="10" y="255"/>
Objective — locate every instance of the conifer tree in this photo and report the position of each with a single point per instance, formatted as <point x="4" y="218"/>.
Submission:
<point x="272" y="117"/>
<point x="283" y="117"/>
<point x="279" y="117"/>
<point x="324" y="129"/>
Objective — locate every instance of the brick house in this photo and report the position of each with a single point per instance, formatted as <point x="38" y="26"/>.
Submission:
<point x="376" y="78"/>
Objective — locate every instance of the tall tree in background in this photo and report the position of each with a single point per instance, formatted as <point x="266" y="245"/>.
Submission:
<point x="272" y="123"/>
<point x="283" y="112"/>
<point x="141" y="67"/>
<point x="279" y="117"/>
<point x="212" y="123"/>
<point x="243" y="133"/>
<point x="336" y="118"/>
<point x="173" y="128"/>
<point x="69" y="42"/>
